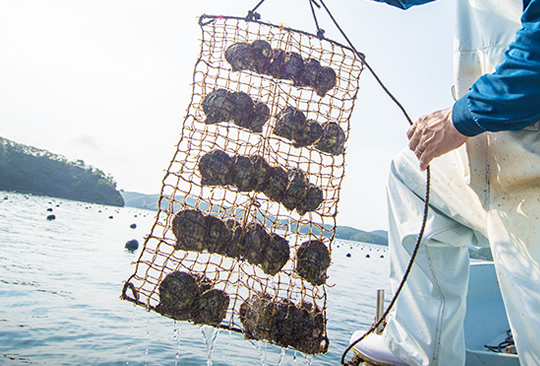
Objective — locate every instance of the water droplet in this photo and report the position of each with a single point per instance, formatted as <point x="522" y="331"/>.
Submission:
<point x="210" y="335"/>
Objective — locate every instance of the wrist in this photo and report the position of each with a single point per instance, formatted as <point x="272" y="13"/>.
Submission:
<point x="463" y="120"/>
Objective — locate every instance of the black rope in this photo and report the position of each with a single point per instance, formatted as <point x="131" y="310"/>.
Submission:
<point x="252" y="15"/>
<point x="320" y="32"/>
<point x="426" y="198"/>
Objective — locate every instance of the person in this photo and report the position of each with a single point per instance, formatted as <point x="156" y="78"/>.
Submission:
<point x="484" y="157"/>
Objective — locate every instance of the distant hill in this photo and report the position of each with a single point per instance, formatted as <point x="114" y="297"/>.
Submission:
<point x="28" y="169"/>
<point x="150" y="202"/>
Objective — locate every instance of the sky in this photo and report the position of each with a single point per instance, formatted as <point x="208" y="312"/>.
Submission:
<point x="109" y="82"/>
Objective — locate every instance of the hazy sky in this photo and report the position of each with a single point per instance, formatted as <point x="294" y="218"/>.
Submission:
<point x="108" y="81"/>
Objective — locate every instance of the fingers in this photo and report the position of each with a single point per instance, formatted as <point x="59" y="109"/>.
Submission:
<point x="433" y="135"/>
<point x="415" y="135"/>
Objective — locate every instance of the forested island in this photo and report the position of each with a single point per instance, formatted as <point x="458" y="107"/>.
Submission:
<point x="27" y="169"/>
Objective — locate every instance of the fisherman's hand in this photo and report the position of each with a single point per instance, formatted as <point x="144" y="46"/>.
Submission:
<point x="434" y="135"/>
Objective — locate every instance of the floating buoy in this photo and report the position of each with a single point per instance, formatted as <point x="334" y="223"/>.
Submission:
<point x="368" y="256"/>
<point x="132" y="244"/>
<point x="51" y="217"/>
<point x="49" y="209"/>
<point x="382" y="256"/>
<point x="133" y="226"/>
<point x="111" y="217"/>
<point x="348" y="255"/>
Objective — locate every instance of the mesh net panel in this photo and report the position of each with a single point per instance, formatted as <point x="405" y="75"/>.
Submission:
<point x="247" y="213"/>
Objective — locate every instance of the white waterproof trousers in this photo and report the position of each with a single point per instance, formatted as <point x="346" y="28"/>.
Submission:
<point x="485" y="193"/>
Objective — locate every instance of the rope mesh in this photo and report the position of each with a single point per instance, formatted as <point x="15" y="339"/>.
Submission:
<point x="247" y="214"/>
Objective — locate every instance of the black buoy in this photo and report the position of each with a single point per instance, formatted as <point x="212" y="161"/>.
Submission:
<point x="49" y="209"/>
<point x="382" y="256"/>
<point x="111" y="217"/>
<point x="367" y="256"/>
<point x="133" y="226"/>
<point x="348" y="255"/>
<point x="51" y="217"/>
<point x="132" y="244"/>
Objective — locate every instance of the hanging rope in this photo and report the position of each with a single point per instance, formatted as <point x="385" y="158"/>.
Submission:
<point x="320" y="33"/>
<point x="426" y="198"/>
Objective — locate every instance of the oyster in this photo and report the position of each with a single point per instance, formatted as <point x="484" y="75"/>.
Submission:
<point x="311" y="201"/>
<point x="258" y="118"/>
<point x="332" y="140"/>
<point x="240" y="57"/>
<point x="189" y="227"/>
<point x="312" y="261"/>
<point x="223" y="106"/>
<point x="276" y="183"/>
<point x="257" y="315"/>
<point x="231" y="248"/>
<point x="293" y="66"/>
<point x="310" y="73"/>
<point x="308" y="328"/>
<point x="242" y="174"/>
<point x="296" y="190"/>
<point x="178" y="295"/>
<point x="253" y="243"/>
<point x="276" y="63"/>
<point x="310" y="134"/>
<point x="326" y="80"/>
<point x="217" y="234"/>
<point x="212" y="307"/>
<point x="214" y="168"/>
<point x="243" y="109"/>
<point x="261" y="51"/>
<point x="289" y="122"/>
<point x="262" y="171"/>
<point x="283" y="323"/>
<point x="275" y="254"/>
<point x="218" y="106"/>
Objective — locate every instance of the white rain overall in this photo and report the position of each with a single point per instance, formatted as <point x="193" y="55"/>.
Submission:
<point x="485" y="193"/>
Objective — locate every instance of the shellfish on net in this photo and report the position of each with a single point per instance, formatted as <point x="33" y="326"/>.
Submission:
<point x="296" y="190"/>
<point x="215" y="167"/>
<point x="261" y="58"/>
<point x="222" y="105"/>
<point x="332" y="140"/>
<point x="283" y="323"/>
<point x="189" y="228"/>
<point x="183" y="296"/>
<point x="178" y="295"/>
<point x="312" y="262"/>
<point x="311" y="201"/>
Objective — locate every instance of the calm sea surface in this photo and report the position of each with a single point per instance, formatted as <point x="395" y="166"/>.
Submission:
<point x="60" y="283"/>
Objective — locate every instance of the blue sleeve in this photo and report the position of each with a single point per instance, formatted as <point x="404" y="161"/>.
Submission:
<point x="508" y="99"/>
<point x="404" y="4"/>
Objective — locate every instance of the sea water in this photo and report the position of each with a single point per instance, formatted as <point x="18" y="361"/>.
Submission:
<point x="60" y="282"/>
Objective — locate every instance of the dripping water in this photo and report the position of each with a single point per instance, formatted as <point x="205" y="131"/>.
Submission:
<point x="176" y="338"/>
<point x="147" y="336"/>
<point x="210" y="335"/>
<point x="259" y="347"/>
<point x="281" y="357"/>
<point x="131" y="333"/>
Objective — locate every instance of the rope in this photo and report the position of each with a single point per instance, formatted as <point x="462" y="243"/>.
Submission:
<point x="426" y="199"/>
<point x="320" y="32"/>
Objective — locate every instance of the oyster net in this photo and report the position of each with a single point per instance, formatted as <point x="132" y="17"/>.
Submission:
<point x="248" y="204"/>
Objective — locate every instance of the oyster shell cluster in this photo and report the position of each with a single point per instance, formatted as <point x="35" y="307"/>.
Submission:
<point x="283" y="323"/>
<point x="183" y="296"/>
<point x="312" y="261"/>
<point x="292" y="124"/>
<point x="259" y="57"/>
<point x="195" y="231"/>
<point x="252" y="173"/>
<point x="222" y="105"/>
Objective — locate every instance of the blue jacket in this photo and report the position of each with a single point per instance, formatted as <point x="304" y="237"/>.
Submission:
<point x="508" y="99"/>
